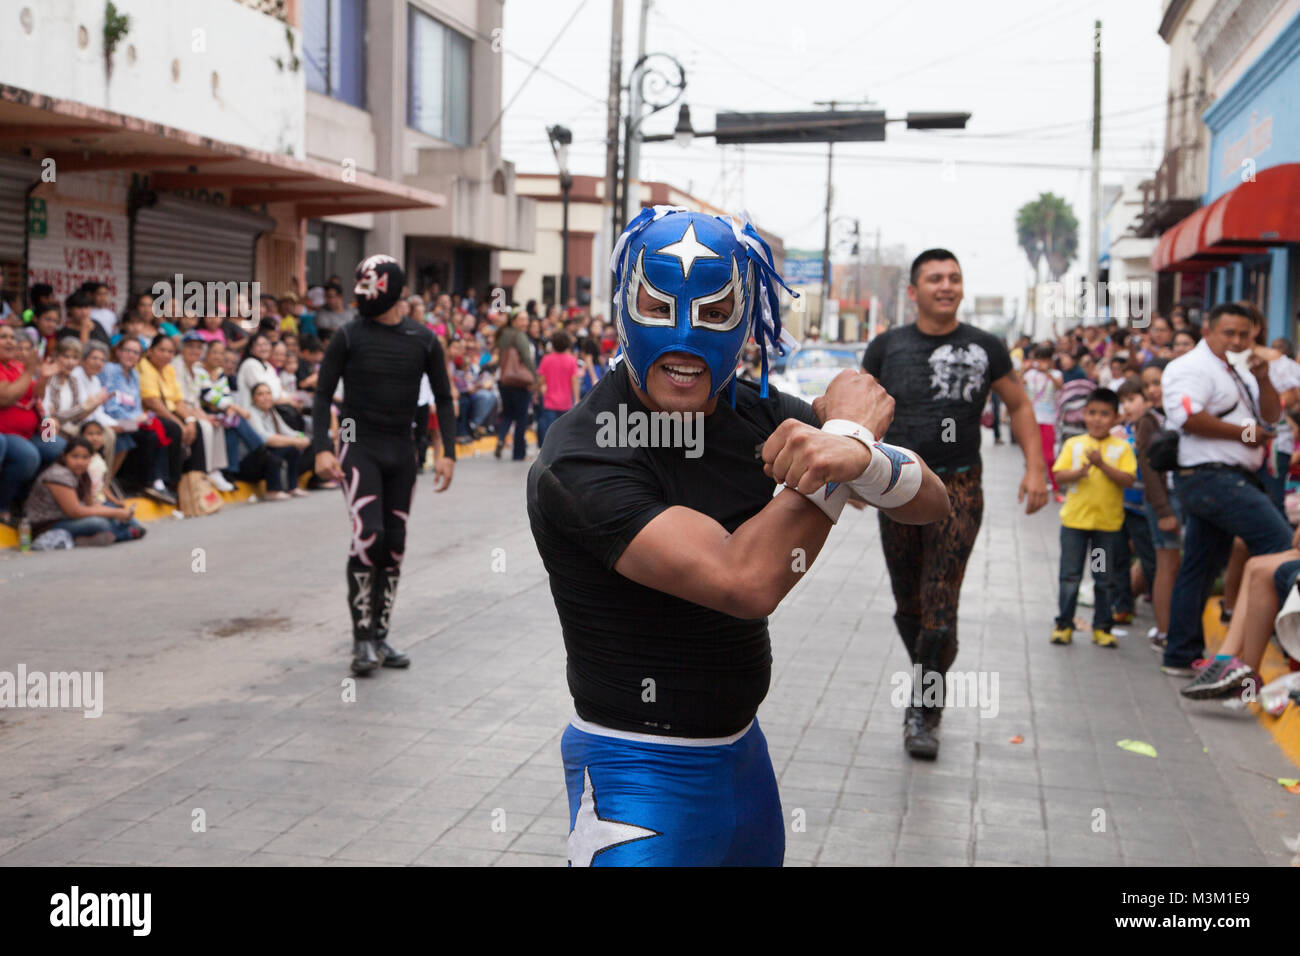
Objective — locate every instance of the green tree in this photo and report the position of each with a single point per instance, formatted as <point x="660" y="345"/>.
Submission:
<point x="1048" y="230"/>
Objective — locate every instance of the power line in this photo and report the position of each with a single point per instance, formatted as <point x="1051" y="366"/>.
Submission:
<point x="563" y="29"/>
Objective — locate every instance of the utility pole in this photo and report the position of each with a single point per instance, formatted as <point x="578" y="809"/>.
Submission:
<point x="611" y="122"/>
<point x="1094" y="217"/>
<point x="826" y="242"/>
<point x="632" y="160"/>
<point x="875" y="281"/>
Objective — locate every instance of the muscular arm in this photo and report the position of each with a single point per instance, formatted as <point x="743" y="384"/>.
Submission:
<point x="1025" y="428"/>
<point x="745" y="574"/>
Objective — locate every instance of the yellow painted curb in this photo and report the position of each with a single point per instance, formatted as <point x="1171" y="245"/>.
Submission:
<point x="1285" y="729"/>
<point x="146" y="509"/>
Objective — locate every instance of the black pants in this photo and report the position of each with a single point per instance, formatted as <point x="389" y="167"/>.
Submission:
<point x="154" y="461"/>
<point x="926" y="566"/>
<point x="270" y="465"/>
<point x="514" y="408"/>
<point x="379" y="475"/>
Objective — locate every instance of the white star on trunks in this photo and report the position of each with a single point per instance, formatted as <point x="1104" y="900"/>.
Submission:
<point x="687" y="249"/>
<point x="593" y="834"/>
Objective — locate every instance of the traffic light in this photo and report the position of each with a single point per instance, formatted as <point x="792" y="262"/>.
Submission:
<point x="584" y="290"/>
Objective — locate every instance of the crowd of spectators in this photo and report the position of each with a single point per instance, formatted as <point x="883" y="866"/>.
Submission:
<point x="155" y="393"/>
<point x="1170" y="449"/>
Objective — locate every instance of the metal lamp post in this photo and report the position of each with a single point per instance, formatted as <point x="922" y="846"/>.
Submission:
<point x="560" y="138"/>
<point x="658" y="85"/>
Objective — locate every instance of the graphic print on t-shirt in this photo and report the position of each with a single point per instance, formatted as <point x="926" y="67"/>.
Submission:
<point x="958" y="373"/>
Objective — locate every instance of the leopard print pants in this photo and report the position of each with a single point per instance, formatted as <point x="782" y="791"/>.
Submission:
<point x="927" y="562"/>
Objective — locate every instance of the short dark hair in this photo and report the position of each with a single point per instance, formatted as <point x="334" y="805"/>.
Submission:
<point x="309" y="343"/>
<point x="560" y="341"/>
<point x="334" y="287"/>
<point x="41" y="290"/>
<point x="78" y="300"/>
<point x="1130" y="386"/>
<point x="1105" y="396"/>
<point x="1189" y="332"/>
<point x="1042" y="352"/>
<point x="1241" y="309"/>
<point x="40" y="310"/>
<point x="930" y="255"/>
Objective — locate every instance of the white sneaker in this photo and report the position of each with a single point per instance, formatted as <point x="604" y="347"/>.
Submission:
<point x="219" y="481"/>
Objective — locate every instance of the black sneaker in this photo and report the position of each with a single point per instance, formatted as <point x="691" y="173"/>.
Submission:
<point x="1219" y="679"/>
<point x="161" y="494"/>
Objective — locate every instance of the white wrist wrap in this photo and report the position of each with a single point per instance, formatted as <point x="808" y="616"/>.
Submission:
<point x="894" y="476"/>
<point x="831" y="498"/>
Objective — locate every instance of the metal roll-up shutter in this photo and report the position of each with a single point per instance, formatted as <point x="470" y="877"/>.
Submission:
<point x="16" y="177"/>
<point x="201" y="242"/>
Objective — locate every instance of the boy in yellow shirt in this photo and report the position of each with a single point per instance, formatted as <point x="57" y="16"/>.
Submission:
<point x="1098" y="467"/>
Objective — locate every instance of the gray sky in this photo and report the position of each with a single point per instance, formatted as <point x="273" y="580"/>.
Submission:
<point x="1023" y="68"/>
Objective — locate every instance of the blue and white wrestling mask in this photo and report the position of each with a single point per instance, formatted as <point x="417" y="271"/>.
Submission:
<point x="688" y="261"/>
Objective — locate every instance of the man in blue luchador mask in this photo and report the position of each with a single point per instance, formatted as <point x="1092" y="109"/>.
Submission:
<point x="674" y="507"/>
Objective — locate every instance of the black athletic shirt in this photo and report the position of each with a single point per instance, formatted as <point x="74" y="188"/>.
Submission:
<point x="586" y="503"/>
<point x="381" y="367"/>
<point x="939" y="384"/>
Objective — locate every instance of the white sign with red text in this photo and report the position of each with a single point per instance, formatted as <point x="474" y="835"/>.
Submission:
<point x="80" y="244"/>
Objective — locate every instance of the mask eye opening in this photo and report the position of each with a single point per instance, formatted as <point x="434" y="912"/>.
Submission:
<point x="634" y="284"/>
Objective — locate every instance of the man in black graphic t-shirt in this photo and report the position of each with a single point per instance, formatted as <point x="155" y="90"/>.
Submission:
<point x="939" y="373"/>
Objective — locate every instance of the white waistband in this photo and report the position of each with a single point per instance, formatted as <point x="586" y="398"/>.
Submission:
<point x="599" y="730"/>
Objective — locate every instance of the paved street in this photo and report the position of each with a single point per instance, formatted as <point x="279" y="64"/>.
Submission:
<point x="224" y="694"/>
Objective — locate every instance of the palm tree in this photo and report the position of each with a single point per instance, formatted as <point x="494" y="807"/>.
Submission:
<point x="1047" y="229"/>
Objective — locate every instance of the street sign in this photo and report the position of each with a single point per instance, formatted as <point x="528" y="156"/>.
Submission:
<point x="818" y="126"/>
<point x="802" y="268"/>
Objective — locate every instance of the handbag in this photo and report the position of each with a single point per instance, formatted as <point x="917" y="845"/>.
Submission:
<point x="514" y="373"/>
<point x="197" y="496"/>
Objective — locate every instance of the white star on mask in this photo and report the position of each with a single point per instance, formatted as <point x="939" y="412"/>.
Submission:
<point x="687" y="249"/>
<point x="592" y="834"/>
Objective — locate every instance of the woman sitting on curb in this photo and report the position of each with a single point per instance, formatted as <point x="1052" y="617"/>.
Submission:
<point x="283" y="447"/>
<point x="62" y="499"/>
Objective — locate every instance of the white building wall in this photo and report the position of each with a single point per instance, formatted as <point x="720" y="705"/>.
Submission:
<point x="205" y="66"/>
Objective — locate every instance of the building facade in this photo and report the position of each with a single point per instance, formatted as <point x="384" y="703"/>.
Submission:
<point x="411" y="92"/>
<point x="1243" y="242"/>
<point x="170" y="142"/>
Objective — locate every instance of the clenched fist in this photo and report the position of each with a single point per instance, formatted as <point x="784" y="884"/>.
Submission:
<point x="857" y="397"/>
<point x="806" y="458"/>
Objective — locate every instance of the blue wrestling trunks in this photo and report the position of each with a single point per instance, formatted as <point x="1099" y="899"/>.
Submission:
<point x="641" y="800"/>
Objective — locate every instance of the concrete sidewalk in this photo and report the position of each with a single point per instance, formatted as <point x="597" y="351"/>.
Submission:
<point x="225" y="687"/>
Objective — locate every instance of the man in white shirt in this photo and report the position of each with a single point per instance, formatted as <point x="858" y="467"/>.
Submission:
<point x="1219" y="398"/>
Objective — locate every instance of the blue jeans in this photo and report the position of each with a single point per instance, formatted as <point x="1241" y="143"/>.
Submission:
<point x="84" y="527"/>
<point x="20" y="461"/>
<point x="234" y="435"/>
<point x="1133" y="539"/>
<point x="1275" y="485"/>
<point x="514" y="409"/>
<point x="1079" y="546"/>
<point x="545" y="419"/>
<point x="1218" y="505"/>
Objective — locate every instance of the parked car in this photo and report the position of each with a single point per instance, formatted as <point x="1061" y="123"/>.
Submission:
<point x="809" y="371"/>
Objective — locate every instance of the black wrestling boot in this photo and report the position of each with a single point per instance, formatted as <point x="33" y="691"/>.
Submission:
<point x="936" y="649"/>
<point x="921" y="732"/>
<point x="360" y="585"/>
<point x="364" y="657"/>
<point x="385" y="593"/>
